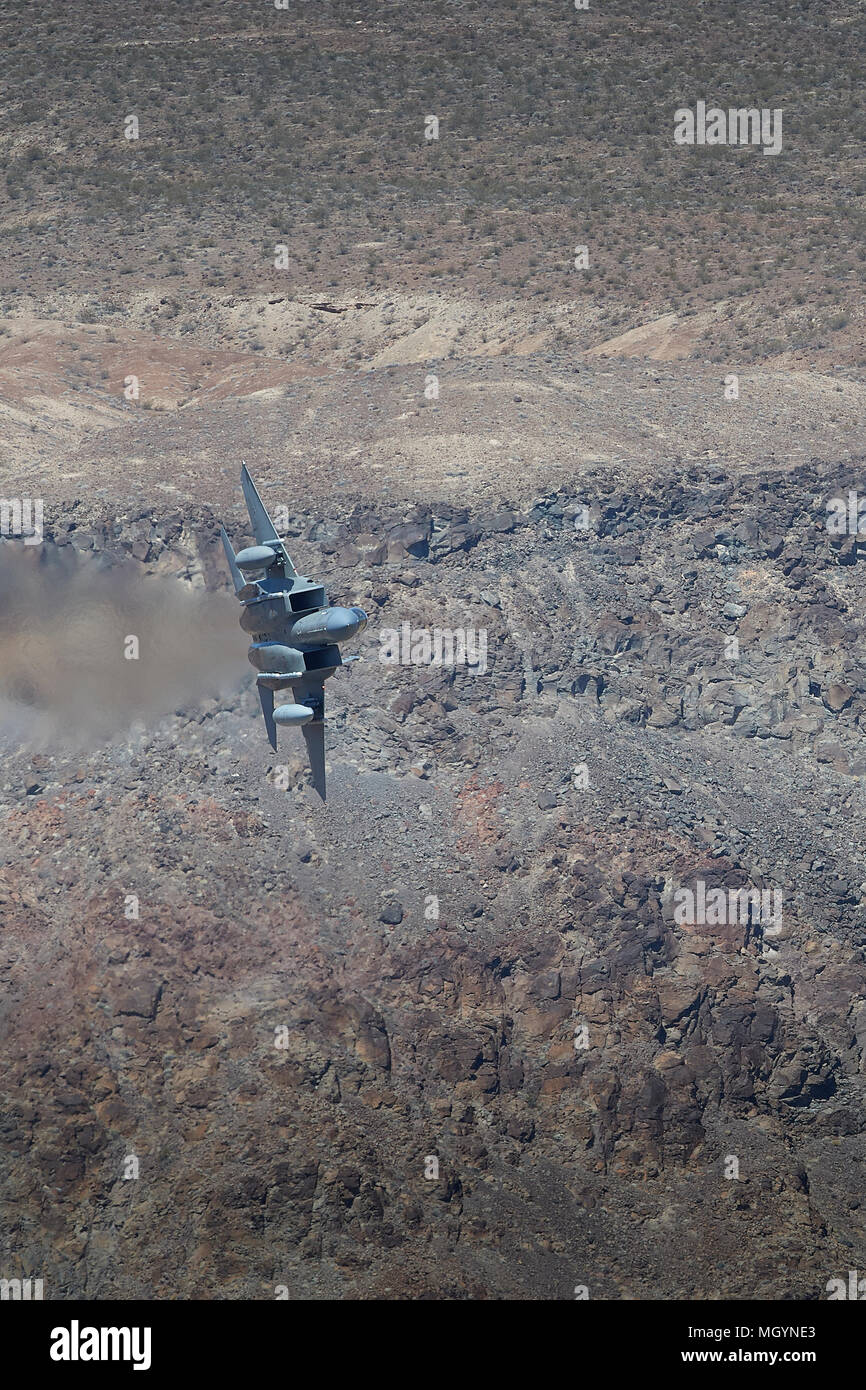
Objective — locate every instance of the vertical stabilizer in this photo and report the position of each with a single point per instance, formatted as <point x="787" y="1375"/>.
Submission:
<point x="263" y="528"/>
<point x="314" y="733"/>
<point x="266" y="695"/>
<point x="237" y="578"/>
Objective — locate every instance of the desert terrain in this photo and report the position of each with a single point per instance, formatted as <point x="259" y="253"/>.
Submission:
<point x="238" y="1023"/>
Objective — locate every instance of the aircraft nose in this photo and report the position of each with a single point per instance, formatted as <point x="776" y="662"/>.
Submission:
<point x="343" y="623"/>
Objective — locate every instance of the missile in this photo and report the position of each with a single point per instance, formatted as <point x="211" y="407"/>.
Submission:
<point x="293" y="715"/>
<point x="274" y="659"/>
<point x="330" y="625"/>
<point x="255" y="557"/>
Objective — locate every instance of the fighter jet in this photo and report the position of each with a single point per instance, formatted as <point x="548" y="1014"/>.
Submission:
<point x="295" y="634"/>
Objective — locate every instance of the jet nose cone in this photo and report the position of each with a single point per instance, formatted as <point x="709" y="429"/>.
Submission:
<point x="344" y="623"/>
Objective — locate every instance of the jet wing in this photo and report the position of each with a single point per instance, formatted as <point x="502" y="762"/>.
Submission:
<point x="263" y="528"/>
<point x="311" y="691"/>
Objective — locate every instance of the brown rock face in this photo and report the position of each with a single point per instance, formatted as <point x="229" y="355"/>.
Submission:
<point x="457" y="1024"/>
<point x="493" y="1023"/>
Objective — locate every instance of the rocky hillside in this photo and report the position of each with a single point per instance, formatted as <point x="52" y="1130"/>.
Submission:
<point x="471" y="954"/>
<point x="563" y="989"/>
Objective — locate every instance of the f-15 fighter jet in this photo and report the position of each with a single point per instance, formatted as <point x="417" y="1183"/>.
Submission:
<point x="295" y="634"/>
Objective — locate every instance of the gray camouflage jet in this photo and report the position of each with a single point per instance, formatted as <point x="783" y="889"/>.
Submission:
<point x="295" y="634"/>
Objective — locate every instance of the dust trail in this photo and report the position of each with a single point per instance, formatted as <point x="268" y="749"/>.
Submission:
<point x="65" y="622"/>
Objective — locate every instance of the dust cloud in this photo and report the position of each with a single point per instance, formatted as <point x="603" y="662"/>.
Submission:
<point x="65" y="625"/>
